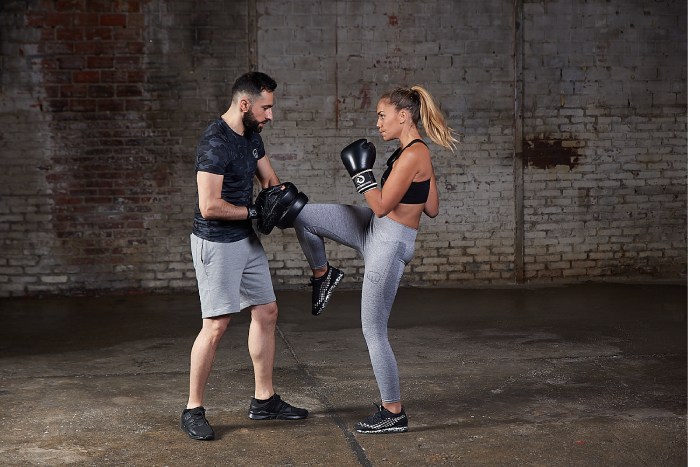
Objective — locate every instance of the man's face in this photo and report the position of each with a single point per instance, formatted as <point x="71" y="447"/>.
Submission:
<point x="259" y="112"/>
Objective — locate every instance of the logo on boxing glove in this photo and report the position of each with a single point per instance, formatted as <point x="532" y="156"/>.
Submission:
<point x="358" y="159"/>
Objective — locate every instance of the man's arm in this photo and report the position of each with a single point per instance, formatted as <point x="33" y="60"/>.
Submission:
<point x="266" y="174"/>
<point x="211" y="205"/>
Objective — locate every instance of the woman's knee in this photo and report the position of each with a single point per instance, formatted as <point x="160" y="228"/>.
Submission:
<point x="304" y="218"/>
<point x="374" y="332"/>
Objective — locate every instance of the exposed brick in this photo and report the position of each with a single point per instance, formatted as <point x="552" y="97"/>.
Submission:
<point x="70" y="5"/>
<point x="111" y="105"/>
<point x="129" y="91"/>
<point x="112" y="20"/>
<point x="104" y="102"/>
<point x="100" y="91"/>
<point x="100" y="33"/>
<point x="73" y="91"/>
<point x="100" y="62"/>
<point x="70" y="34"/>
<point x="86" y="77"/>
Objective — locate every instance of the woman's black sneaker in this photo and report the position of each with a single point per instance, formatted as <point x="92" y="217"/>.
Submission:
<point x="273" y="408"/>
<point x="196" y="425"/>
<point x="383" y="422"/>
<point x="323" y="288"/>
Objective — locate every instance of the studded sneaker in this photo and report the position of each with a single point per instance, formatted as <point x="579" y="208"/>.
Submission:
<point x="383" y="421"/>
<point x="195" y="424"/>
<point x="275" y="408"/>
<point x="323" y="288"/>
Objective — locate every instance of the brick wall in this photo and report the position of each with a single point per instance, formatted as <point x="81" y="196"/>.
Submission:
<point x="606" y="139"/>
<point x="102" y="103"/>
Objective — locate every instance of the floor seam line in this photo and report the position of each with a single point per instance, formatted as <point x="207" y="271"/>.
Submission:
<point x="352" y="442"/>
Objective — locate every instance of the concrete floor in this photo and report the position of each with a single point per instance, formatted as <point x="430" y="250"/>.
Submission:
<point x="594" y="374"/>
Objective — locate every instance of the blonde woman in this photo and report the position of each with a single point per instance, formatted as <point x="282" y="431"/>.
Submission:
<point x="384" y="231"/>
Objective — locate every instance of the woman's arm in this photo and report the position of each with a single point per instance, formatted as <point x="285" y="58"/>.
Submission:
<point x="432" y="206"/>
<point x="405" y="169"/>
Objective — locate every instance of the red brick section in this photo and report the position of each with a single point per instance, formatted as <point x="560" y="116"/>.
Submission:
<point x="103" y="183"/>
<point x="87" y="42"/>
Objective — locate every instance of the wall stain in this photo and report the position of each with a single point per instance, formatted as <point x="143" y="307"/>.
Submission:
<point x="547" y="153"/>
<point x="365" y="97"/>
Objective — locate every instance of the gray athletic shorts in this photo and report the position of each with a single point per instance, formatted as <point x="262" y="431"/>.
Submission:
<point x="231" y="276"/>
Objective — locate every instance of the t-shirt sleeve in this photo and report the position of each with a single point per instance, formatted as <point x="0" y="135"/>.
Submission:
<point x="258" y="146"/>
<point x="212" y="156"/>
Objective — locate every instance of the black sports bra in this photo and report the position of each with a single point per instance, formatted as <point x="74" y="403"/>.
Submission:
<point x="417" y="192"/>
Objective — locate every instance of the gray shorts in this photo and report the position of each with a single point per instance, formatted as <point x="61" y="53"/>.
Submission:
<point x="231" y="276"/>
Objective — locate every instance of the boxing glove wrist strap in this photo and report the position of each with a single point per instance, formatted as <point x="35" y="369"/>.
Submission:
<point x="253" y="212"/>
<point x="364" y="181"/>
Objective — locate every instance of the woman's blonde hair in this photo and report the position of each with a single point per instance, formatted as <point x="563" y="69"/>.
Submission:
<point x="421" y="105"/>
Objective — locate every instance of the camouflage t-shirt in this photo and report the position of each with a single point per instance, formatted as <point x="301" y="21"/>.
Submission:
<point x="222" y="151"/>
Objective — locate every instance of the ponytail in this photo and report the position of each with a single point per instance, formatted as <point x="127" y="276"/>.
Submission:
<point x="433" y="120"/>
<point x="421" y="105"/>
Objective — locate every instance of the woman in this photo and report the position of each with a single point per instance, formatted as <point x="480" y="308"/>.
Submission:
<point x="384" y="232"/>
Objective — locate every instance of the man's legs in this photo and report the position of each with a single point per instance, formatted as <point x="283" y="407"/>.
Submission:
<point x="266" y="404"/>
<point x="202" y="356"/>
<point x="193" y="419"/>
<point x="261" y="346"/>
<point x="234" y="273"/>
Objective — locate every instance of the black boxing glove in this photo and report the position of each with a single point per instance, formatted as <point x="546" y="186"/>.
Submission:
<point x="358" y="159"/>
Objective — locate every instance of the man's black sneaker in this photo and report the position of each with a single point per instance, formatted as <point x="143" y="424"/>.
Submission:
<point x="196" y="425"/>
<point x="275" y="407"/>
<point x="383" y="422"/>
<point x="323" y="288"/>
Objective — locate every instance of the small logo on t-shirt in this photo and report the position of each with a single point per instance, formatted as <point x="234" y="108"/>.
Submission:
<point x="255" y="153"/>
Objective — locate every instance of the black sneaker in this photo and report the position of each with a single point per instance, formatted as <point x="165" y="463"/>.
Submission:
<point x="196" y="425"/>
<point x="383" y="422"/>
<point x="323" y="288"/>
<point x="275" y="407"/>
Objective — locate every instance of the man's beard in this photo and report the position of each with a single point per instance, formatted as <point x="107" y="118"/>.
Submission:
<point x="250" y="123"/>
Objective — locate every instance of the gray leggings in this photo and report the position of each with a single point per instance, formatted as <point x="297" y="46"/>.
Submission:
<point x="387" y="246"/>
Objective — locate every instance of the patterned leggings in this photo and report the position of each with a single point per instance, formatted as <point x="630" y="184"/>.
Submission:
<point x="387" y="246"/>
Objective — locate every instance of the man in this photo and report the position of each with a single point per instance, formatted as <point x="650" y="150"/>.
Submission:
<point x="231" y="266"/>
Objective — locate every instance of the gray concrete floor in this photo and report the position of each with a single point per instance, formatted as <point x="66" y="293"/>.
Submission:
<point x="593" y="374"/>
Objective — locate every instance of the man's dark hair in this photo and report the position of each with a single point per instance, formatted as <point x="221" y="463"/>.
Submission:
<point x="253" y="83"/>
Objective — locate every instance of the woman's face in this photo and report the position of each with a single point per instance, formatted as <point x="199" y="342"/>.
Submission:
<point x="388" y="120"/>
